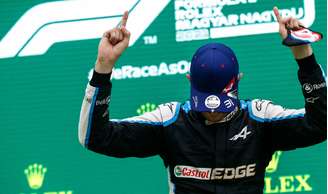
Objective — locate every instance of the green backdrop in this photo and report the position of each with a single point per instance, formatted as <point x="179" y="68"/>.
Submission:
<point x="41" y="94"/>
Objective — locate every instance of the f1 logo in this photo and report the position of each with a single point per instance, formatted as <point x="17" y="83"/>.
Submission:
<point x="46" y="24"/>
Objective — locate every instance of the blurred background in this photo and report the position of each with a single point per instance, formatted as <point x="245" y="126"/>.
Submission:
<point x="47" y="49"/>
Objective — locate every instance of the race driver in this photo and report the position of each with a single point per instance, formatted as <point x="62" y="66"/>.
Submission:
<point x="215" y="142"/>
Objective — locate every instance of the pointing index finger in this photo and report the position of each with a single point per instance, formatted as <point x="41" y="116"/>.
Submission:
<point x="124" y="19"/>
<point x="277" y="14"/>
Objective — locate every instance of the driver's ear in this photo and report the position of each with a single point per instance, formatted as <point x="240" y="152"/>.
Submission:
<point x="240" y="76"/>
<point x="188" y="76"/>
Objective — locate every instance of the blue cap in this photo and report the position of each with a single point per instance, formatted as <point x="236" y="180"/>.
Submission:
<point x="214" y="79"/>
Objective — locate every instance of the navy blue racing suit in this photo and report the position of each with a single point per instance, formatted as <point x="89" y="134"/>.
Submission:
<point x="202" y="157"/>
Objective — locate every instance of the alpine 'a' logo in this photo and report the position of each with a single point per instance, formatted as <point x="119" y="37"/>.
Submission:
<point x="242" y="134"/>
<point x="48" y="23"/>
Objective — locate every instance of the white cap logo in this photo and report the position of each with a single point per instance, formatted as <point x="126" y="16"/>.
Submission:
<point x="212" y="102"/>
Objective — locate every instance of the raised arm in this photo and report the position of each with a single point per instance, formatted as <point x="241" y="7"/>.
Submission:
<point x="290" y="128"/>
<point x="140" y="136"/>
